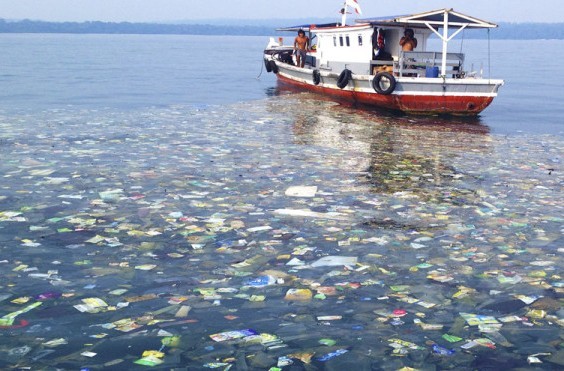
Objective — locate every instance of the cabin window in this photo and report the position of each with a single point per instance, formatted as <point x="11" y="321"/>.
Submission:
<point x="348" y="40"/>
<point x="359" y="40"/>
<point x="341" y="40"/>
<point x="334" y="40"/>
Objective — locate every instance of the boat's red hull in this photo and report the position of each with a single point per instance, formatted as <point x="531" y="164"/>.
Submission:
<point x="417" y="104"/>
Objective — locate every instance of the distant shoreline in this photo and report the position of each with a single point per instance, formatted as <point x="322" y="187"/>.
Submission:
<point x="517" y="31"/>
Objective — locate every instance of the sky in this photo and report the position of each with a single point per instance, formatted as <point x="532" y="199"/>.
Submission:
<point x="179" y="10"/>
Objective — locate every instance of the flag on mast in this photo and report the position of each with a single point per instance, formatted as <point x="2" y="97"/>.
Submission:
<point x="354" y="4"/>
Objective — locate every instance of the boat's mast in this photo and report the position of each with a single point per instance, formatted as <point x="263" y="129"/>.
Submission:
<point x="344" y="15"/>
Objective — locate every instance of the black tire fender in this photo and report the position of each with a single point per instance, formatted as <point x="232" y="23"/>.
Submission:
<point x="273" y="66"/>
<point x="316" y="77"/>
<point x="344" y="78"/>
<point x="384" y="83"/>
<point x="267" y="66"/>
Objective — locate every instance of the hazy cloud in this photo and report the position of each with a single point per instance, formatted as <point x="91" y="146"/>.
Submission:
<point x="173" y="10"/>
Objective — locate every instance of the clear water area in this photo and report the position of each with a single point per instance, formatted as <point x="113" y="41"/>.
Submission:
<point x="128" y="71"/>
<point x="288" y="232"/>
<point x="136" y="71"/>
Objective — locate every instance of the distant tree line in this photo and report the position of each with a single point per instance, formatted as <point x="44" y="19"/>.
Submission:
<point x="27" y="26"/>
<point x="517" y="31"/>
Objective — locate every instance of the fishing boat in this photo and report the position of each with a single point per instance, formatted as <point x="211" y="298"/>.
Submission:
<point x="365" y="63"/>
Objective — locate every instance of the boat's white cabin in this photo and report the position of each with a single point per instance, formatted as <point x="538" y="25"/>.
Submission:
<point x="356" y="47"/>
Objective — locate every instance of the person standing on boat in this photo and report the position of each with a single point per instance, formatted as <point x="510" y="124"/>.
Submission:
<point x="408" y="42"/>
<point x="301" y="44"/>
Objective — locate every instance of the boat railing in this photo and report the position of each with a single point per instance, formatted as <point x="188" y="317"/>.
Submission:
<point x="427" y="64"/>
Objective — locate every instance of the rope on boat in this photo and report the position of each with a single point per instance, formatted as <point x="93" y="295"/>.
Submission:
<point x="261" y="68"/>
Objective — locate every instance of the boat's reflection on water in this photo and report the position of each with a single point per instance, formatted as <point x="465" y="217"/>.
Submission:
<point x="470" y="124"/>
<point x="391" y="152"/>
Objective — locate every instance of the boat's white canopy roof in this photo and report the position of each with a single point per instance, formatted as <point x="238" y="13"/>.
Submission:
<point x="307" y="27"/>
<point x="434" y="19"/>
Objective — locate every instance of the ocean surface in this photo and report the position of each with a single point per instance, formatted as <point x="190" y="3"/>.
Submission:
<point x="164" y="203"/>
<point x="46" y="71"/>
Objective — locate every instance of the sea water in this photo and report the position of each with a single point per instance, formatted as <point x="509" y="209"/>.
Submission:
<point x="129" y="71"/>
<point x="160" y="205"/>
<point x="46" y="71"/>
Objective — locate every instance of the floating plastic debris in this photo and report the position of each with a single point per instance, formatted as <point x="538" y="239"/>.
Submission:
<point x="276" y="233"/>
